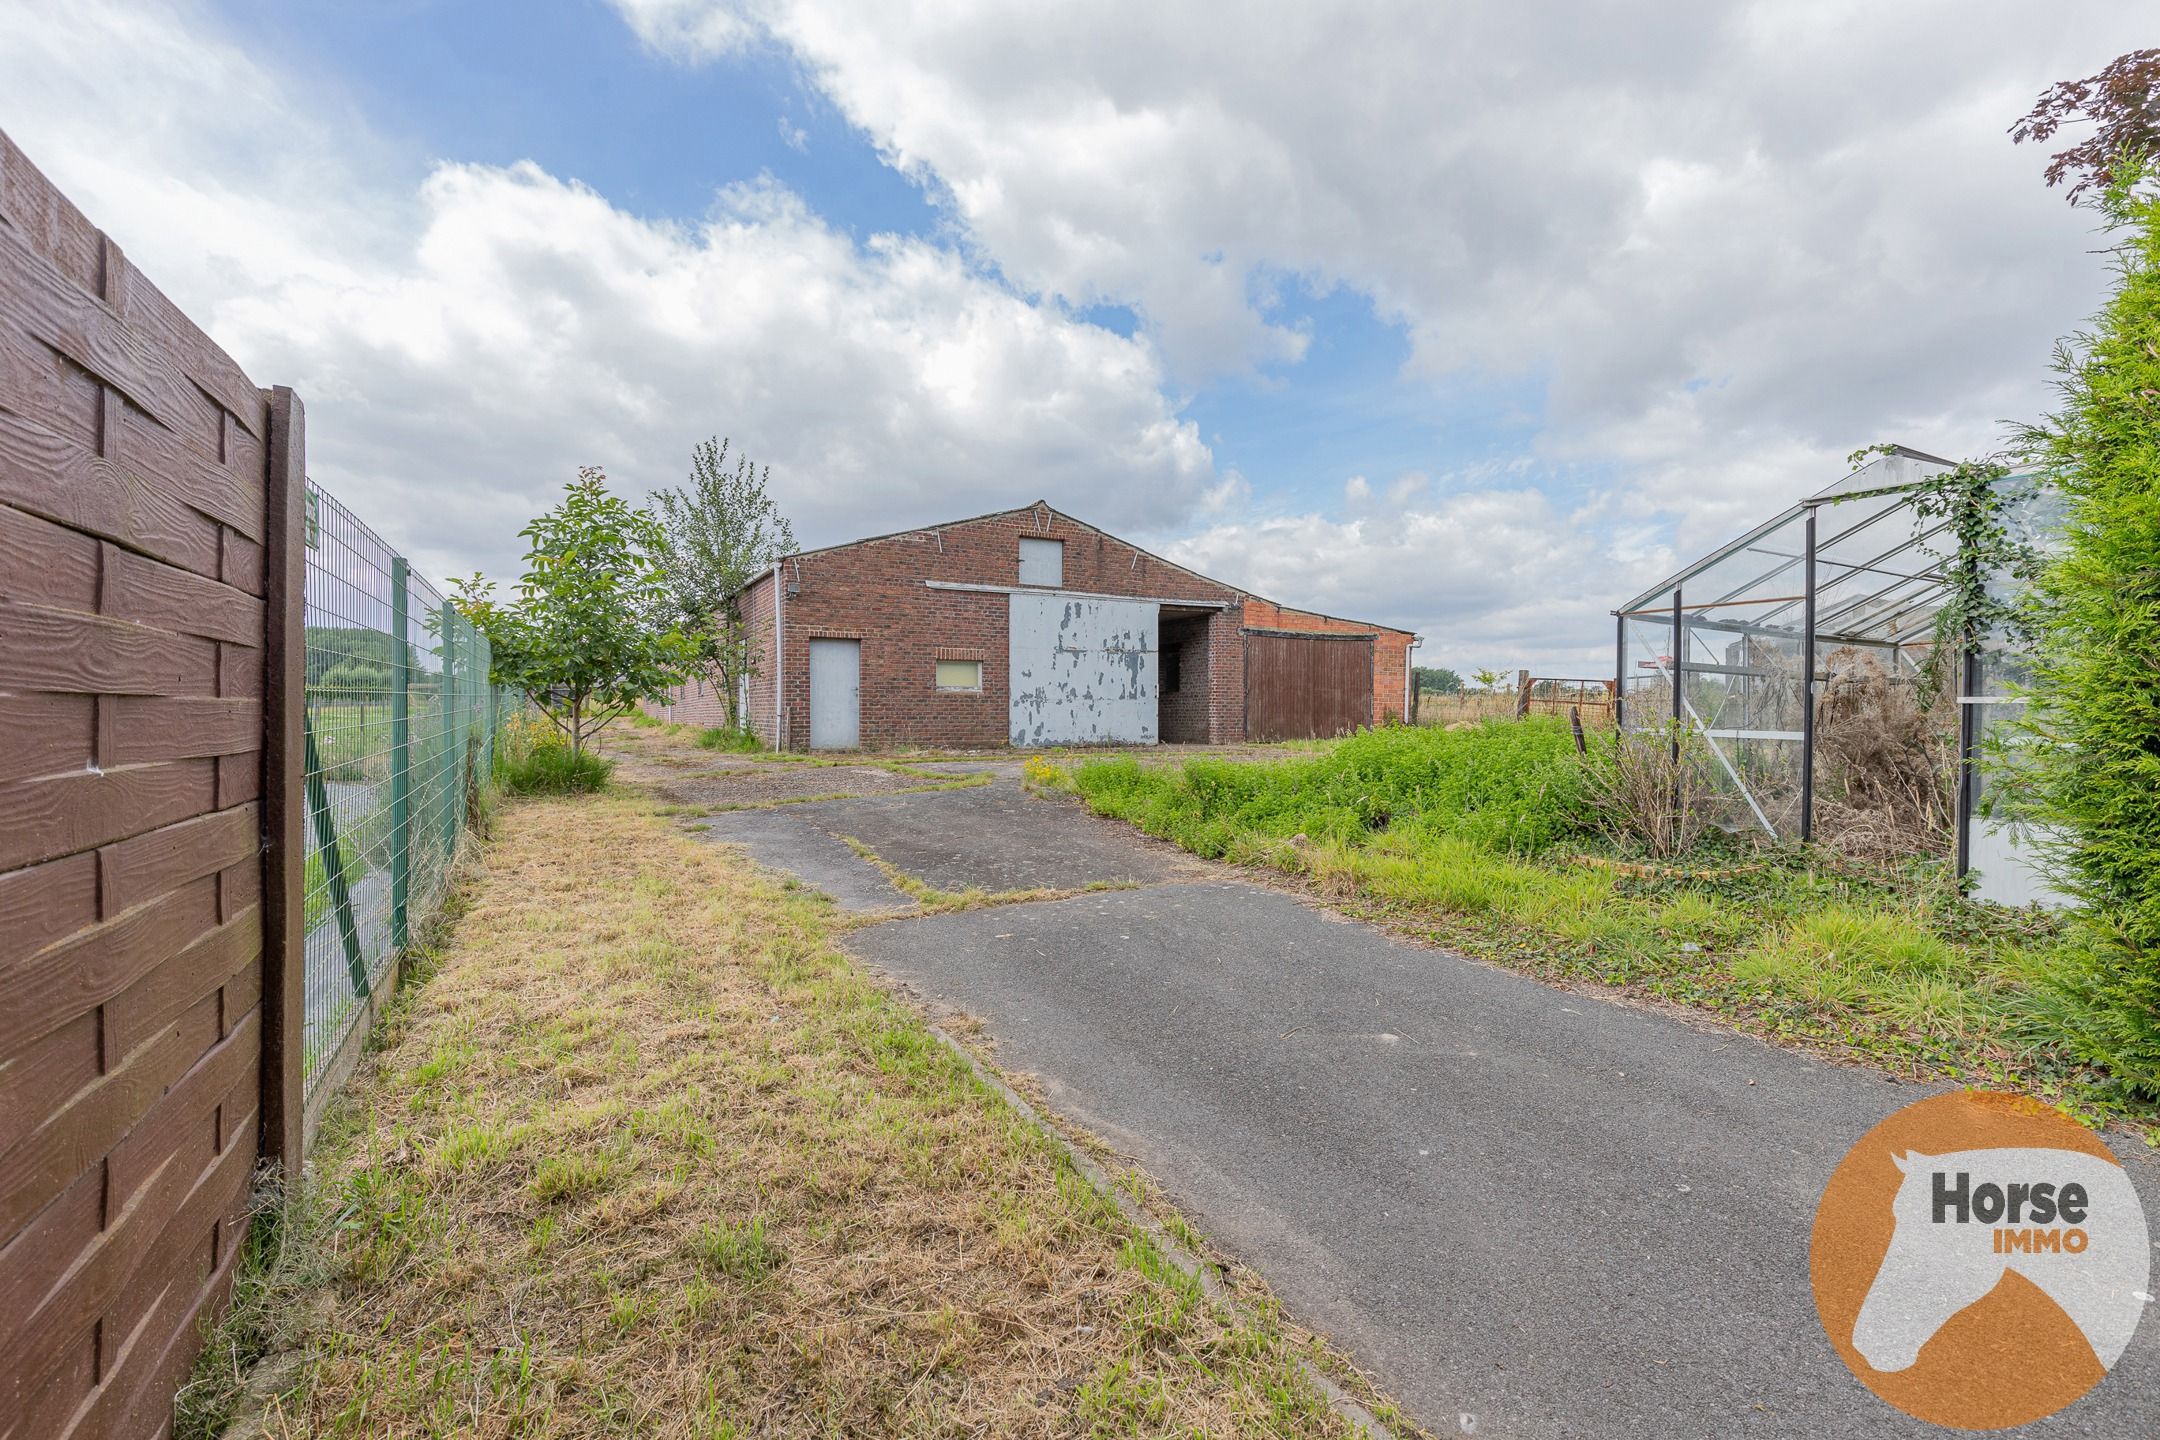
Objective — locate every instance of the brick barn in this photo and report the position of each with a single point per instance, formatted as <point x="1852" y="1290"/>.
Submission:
<point x="1030" y="628"/>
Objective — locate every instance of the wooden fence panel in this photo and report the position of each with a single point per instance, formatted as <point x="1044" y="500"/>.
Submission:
<point x="147" y="508"/>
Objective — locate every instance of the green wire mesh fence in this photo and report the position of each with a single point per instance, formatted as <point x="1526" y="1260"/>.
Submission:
<point x="400" y="732"/>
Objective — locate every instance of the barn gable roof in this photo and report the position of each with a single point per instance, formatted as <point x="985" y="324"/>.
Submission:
<point x="1047" y="507"/>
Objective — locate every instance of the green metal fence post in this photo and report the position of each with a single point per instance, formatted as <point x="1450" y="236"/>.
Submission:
<point x="494" y="703"/>
<point x="400" y="756"/>
<point x="461" y="735"/>
<point x="453" y="792"/>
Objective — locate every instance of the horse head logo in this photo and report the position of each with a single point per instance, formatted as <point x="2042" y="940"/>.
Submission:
<point x="2065" y="1220"/>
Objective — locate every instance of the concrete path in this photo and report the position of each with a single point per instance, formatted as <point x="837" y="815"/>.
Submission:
<point x="1530" y="1213"/>
<point x="992" y="837"/>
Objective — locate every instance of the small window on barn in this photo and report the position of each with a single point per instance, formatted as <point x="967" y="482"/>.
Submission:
<point x="959" y="675"/>
<point x="1169" y="664"/>
<point x="1042" y="562"/>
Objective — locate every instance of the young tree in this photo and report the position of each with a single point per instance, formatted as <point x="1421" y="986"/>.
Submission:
<point x="588" y="634"/>
<point x="2094" y="716"/>
<point x="1487" y="679"/>
<point x="2123" y="104"/>
<point x="719" y="531"/>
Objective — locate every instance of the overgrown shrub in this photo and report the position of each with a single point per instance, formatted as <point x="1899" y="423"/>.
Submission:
<point x="1646" y="789"/>
<point x="2094" y="726"/>
<point x="554" y="768"/>
<point x="531" y="758"/>
<point x="722" y="737"/>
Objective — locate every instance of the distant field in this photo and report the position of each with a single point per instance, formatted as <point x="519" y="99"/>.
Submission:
<point x="1447" y="709"/>
<point x="1490" y="705"/>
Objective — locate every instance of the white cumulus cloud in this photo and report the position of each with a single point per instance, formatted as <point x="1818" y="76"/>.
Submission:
<point x="466" y="335"/>
<point x="1732" y="240"/>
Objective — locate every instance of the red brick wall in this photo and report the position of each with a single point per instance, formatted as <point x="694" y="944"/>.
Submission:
<point x="757" y="611"/>
<point x="694" y="702"/>
<point x="873" y="591"/>
<point x="1226" y="678"/>
<point x="702" y="700"/>
<point x="1391" y="650"/>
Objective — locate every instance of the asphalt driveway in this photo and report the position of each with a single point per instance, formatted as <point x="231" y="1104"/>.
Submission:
<point x="1529" y="1212"/>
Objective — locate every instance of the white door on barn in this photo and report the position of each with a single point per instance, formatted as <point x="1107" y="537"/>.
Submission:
<point x="835" y="694"/>
<point x="1083" y="670"/>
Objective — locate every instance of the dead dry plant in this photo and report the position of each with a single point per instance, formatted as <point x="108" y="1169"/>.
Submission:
<point x="1885" y="760"/>
<point x="1648" y="789"/>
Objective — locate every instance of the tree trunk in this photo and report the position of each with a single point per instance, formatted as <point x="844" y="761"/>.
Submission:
<point x="577" y="726"/>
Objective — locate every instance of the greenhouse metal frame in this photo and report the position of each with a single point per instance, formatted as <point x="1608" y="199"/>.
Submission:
<point x="1737" y="647"/>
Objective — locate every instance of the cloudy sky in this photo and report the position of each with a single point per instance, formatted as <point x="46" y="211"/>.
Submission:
<point x="1471" y="317"/>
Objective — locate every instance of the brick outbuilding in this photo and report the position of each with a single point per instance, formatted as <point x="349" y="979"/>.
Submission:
<point x="1028" y="627"/>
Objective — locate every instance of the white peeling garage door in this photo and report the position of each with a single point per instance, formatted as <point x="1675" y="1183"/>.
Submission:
<point x="1083" y="670"/>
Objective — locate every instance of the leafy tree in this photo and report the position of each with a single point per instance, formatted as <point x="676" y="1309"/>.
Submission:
<point x="1487" y="679"/>
<point x="2094" y="717"/>
<point x="2123" y="104"/>
<point x="351" y="680"/>
<point x="1438" y="680"/>
<point x="588" y="634"/>
<point x="718" y="532"/>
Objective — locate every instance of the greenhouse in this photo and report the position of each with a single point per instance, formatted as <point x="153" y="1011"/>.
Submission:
<point x="1802" y="656"/>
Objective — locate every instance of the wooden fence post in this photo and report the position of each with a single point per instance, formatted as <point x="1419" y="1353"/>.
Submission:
<point x="284" y="852"/>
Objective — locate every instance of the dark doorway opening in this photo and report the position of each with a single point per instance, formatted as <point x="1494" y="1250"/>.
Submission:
<point x="1183" y="668"/>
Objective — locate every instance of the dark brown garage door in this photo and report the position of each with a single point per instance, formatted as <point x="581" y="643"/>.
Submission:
<point x="1299" y="686"/>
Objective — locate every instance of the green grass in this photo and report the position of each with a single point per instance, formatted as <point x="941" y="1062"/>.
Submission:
<point x="642" y="1152"/>
<point x="740" y="1252"/>
<point x="1476" y="839"/>
<point x="353" y="740"/>
<point x="721" y="737"/>
<point x="315" y="881"/>
<point x="531" y="760"/>
<point x="552" y="769"/>
<point x="1514" y="788"/>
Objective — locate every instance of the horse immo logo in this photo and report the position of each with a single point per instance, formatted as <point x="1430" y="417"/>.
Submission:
<point x="1979" y="1260"/>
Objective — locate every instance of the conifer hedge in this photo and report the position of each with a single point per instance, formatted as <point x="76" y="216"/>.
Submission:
<point x="2095" y="715"/>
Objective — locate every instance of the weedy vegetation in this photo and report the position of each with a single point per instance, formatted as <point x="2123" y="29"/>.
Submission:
<point x="1501" y="842"/>
<point x="729" y="740"/>
<point x="531" y="758"/>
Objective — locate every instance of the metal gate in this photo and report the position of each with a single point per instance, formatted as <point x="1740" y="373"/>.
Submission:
<point x="1301" y="686"/>
<point x="1083" y="670"/>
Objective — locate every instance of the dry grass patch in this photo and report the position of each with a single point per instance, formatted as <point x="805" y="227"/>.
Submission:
<point x="933" y="901"/>
<point x="648" y="1156"/>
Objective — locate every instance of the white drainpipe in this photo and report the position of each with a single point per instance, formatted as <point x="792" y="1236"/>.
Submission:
<point x="779" y="662"/>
